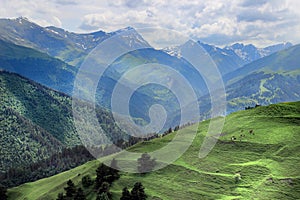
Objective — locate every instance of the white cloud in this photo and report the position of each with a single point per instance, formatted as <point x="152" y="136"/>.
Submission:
<point x="220" y="22"/>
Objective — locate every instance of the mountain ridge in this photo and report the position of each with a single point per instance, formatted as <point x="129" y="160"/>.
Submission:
<point x="233" y="57"/>
<point x="31" y="113"/>
<point x="37" y="66"/>
<point x="250" y="53"/>
<point x="284" y="60"/>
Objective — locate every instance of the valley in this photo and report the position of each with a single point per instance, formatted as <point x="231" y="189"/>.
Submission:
<point x="43" y="149"/>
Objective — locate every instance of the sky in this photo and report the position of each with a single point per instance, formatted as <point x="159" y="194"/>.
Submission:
<point x="219" y="22"/>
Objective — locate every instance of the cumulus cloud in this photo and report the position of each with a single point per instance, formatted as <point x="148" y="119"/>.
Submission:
<point x="218" y="22"/>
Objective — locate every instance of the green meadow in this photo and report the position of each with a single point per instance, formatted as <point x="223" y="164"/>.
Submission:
<point x="265" y="155"/>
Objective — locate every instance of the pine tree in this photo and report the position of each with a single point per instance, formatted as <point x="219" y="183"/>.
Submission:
<point x="79" y="195"/>
<point x="106" y="174"/>
<point x="70" y="189"/>
<point x="176" y="128"/>
<point x="102" y="196"/>
<point x="114" y="169"/>
<point x="103" y="175"/>
<point x="104" y="191"/>
<point x="60" y="196"/>
<point x="125" y="194"/>
<point x="137" y="192"/>
<point x="86" y="181"/>
<point x="3" y="191"/>
<point x="146" y="164"/>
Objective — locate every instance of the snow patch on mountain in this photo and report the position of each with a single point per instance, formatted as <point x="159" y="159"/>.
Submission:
<point x="250" y="53"/>
<point x="173" y="51"/>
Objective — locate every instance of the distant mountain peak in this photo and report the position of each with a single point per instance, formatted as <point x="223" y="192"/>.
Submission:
<point x="132" y="37"/>
<point x="128" y="28"/>
<point x="22" y="18"/>
<point x="250" y="52"/>
<point x="287" y="44"/>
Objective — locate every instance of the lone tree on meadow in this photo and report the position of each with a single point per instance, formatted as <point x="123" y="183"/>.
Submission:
<point x="145" y="163"/>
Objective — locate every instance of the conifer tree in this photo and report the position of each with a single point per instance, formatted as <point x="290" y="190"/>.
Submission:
<point x="114" y="169"/>
<point x="104" y="191"/>
<point x="125" y="194"/>
<point x="70" y="189"/>
<point x="60" y="196"/>
<point x="146" y="164"/>
<point x="3" y="192"/>
<point x="79" y="195"/>
<point x="138" y="192"/>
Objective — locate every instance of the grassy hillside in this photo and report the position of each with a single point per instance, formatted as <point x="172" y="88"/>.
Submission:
<point x="265" y="153"/>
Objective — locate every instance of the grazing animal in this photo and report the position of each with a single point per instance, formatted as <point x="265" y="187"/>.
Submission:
<point x="233" y="138"/>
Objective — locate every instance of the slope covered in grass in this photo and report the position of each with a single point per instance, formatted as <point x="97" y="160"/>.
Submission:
<point x="265" y="153"/>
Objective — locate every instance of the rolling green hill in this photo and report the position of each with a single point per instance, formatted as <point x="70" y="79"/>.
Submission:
<point x="265" y="154"/>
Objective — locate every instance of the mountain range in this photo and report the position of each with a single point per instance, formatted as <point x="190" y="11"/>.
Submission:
<point x="44" y="55"/>
<point x="39" y="65"/>
<point x="249" y="53"/>
<point x="232" y="57"/>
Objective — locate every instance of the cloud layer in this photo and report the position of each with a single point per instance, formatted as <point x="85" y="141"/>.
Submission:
<point x="218" y="22"/>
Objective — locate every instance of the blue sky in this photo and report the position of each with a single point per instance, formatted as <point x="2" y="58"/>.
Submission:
<point x="219" y="22"/>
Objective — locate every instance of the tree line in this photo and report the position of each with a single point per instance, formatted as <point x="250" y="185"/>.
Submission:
<point x="69" y="158"/>
<point x="105" y="176"/>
